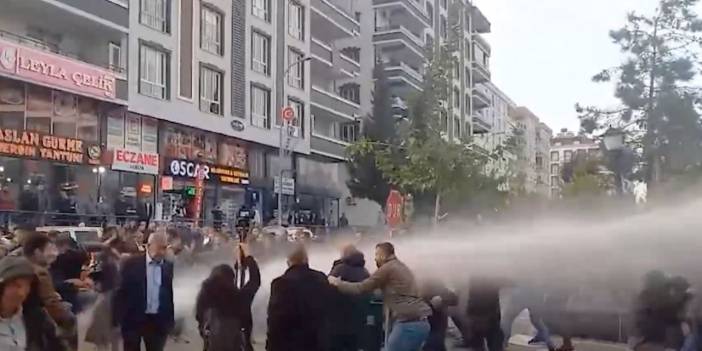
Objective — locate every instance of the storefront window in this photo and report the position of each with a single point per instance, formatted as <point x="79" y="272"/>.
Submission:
<point x="12" y="104"/>
<point x="232" y="155"/>
<point x="39" y="109"/>
<point x="65" y="115"/>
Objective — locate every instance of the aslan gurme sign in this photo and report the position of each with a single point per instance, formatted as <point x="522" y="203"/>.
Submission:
<point x="56" y="71"/>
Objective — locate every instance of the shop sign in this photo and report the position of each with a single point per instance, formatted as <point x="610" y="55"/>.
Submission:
<point x="24" y="144"/>
<point x="134" y="161"/>
<point x="145" y="189"/>
<point x="132" y="137"/>
<point x="166" y="183"/>
<point x="56" y="71"/>
<point x="190" y="169"/>
<point x="288" y="185"/>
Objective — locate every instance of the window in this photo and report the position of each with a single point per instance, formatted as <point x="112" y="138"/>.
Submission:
<point x="444" y="4"/>
<point x="155" y="14"/>
<point x="430" y="13"/>
<point x="456" y="127"/>
<point x="296" y="75"/>
<point x="456" y="98"/>
<point x="115" y="57"/>
<point x="554" y="156"/>
<point x="153" y="72"/>
<point x="299" y="107"/>
<point x="555" y="181"/>
<point x="211" y="30"/>
<point x="349" y="131"/>
<point x="444" y="120"/>
<point x="261" y="9"/>
<point x="260" y="53"/>
<point x="296" y="20"/>
<point x="555" y="169"/>
<point x="260" y="107"/>
<point x="567" y="156"/>
<point x="351" y="92"/>
<point x="456" y="70"/>
<point x="444" y="28"/>
<point x="211" y="83"/>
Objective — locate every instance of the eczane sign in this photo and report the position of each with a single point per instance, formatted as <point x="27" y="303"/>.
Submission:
<point x="135" y="161"/>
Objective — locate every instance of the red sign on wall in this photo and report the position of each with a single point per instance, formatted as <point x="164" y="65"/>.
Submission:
<point x="199" y="192"/>
<point x="393" y="208"/>
<point x="56" y="71"/>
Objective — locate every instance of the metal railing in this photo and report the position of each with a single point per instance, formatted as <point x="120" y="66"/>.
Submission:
<point x="53" y="48"/>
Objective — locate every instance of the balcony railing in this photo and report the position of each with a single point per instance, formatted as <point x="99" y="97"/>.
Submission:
<point x="52" y="48"/>
<point x="407" y="68"/>
<point x="396" y="27"/>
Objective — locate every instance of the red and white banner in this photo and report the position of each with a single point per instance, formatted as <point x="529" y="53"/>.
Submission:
<point x="56" y="71"/>
<point x="134" y="161"/>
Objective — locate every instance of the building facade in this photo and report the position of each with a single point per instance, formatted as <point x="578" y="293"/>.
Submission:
<point x="566" y="146"/>
<point x="60" y="79"/>
<point x="534" y="137"/>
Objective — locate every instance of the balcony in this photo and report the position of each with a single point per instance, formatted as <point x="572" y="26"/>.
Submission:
<point x="400" y="71"/>
<point x="399" y="44"/>
<point x="482" y="44"/>
<point x="480" y="99"/>
<point x="326" y="103"/>
<point x="481" y="73"/>
<point x="479" y="22"/>
<point x="409" y="10"/>
<point x="328" y="146"/>
<point x="480" y="124"/>
<point x="331" y="64"/>
<point x="41" y="51"/>
<point x="333" y="22"/>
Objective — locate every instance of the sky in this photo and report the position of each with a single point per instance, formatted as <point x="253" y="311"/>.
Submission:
<point x="545" y="52"/>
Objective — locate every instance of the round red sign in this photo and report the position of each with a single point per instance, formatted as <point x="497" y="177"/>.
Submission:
<point x="288" y="113"/>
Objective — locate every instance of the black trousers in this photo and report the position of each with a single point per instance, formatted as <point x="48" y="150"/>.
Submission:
<point x="486" y="330"/>
<point x="153" y="335"/>
<point x="344" y="342"/>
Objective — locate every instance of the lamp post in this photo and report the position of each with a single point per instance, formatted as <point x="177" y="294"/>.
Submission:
<point x="281" y="143"/>
<point x="614" y="144"/>
<point x="99" y="171"/>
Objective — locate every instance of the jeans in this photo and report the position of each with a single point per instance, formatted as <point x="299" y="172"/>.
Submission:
<point x="408" y="336"/>
<point x="521" y="299"/>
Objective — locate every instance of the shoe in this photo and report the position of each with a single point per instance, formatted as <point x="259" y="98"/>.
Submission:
<point x="536" y="341"/>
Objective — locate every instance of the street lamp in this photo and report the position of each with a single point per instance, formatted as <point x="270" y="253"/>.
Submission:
<point x="281" y="144"/>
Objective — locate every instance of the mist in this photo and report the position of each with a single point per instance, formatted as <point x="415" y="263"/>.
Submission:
<point x="573" y="254"/>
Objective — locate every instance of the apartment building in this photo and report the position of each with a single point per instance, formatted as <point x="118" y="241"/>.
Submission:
<point x="402" y="31"/>
<point x="566" y="146"/>
<point x="62" y="71"/>
<point x="535" y="139"/>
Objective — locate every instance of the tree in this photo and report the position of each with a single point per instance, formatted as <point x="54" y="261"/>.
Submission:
<point x="659" y="102"/>
<point x="366" y="180"/>
<point x="584" y="176"/>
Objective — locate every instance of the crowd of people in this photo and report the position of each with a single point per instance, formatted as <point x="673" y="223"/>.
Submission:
<point x="47" y="279"/>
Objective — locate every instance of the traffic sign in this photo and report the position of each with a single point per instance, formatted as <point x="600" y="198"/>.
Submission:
<point x="393" y="208"/>
<point x="288" y="113"/>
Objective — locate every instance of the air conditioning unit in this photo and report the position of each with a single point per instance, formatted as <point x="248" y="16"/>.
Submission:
<point x="293" y="131"/>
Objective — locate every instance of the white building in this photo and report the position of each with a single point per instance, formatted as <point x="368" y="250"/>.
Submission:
<point x="566" y="146"/>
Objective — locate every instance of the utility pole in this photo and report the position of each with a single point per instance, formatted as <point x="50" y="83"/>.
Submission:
<point x="282" y="145"/>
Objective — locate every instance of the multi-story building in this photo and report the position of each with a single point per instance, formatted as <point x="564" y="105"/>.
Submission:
<point x="535" y="137"/>
<point x="62" y="71"/>
<point x="402" y="31"/>
<point x="567" y="146"/>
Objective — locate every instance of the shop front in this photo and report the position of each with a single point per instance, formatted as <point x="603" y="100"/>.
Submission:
<point x="51" y="108"/>
<point x="223" y="162"/>
<point x="129" y="185"/>
<point x="318" y="191"/>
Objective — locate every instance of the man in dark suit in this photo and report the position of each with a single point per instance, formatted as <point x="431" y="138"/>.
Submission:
<point x="298" y="307"/>
<point x="144" y="300"/>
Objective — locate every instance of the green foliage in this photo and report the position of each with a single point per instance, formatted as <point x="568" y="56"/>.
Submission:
<point x="366" y="179"/>
<point x="585" y="177"/>
<point x="655" y="85"/>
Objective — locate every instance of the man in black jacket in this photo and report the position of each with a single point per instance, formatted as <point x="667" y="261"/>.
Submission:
<point x="144" y="299"/>
<point x="348" y="317"/>
<point x="297" y="307"/>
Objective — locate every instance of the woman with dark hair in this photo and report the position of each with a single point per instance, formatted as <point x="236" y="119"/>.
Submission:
<point x="223" y="311"/>
<point x="24" y="325"/>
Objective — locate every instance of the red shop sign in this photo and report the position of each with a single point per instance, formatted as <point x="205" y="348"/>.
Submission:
<point x="135" y="161"/>
<point x="56" y="71"/>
